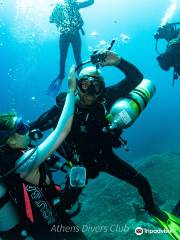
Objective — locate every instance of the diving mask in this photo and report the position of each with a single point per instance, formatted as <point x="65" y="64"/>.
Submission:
<point x="19" y="127"/>
<point x="91" y="85"/>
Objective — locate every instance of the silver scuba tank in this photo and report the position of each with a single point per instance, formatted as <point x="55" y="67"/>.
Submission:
<point x="125" y="110"/>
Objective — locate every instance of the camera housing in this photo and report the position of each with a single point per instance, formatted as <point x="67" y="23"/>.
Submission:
<point x="97" y="57"/>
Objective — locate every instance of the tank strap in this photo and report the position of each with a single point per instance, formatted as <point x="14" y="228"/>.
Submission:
<point x="42" y="172"/>
<point x="29" y="212"/>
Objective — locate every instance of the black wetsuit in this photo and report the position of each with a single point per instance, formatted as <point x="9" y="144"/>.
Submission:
<point x="171" y="58"/>
<point x="95" y="149"/>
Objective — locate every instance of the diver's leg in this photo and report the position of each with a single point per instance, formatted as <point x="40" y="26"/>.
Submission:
<point x="122" y="170"/>
<point x="76" y="45"/>
<point x="64" y="42"/>
<point x="70" y="195"/>
<point x="55" y="85"/>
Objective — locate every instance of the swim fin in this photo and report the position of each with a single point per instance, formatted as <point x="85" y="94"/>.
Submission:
<point x="172" y="225"/>
<point x="54" y="87"/>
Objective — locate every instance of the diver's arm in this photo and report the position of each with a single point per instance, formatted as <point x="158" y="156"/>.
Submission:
<point x="63" y="128"/>
<point x="133" y="77"/>
<point x="54" y="14"/>
<point x="52" y="142"/>
<point x="85" y="4"/>
<point x="47" y="120"/>
<point x="132" y="80"/>
<point x="164" y="61"/>
<point x="47" y="147"/>
<point x="167" y="59"/>
<point x="50" y="118"/>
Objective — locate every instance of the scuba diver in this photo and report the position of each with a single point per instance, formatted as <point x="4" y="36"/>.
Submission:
<point x="88" y="144"/>
<point x="171" y="57"/>
<point x="27" y="192"/>
<point x="69" y="23"/>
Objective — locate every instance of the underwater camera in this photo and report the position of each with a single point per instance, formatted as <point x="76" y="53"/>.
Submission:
<point x="97" y="57"/>
<point x="100" y="56"/>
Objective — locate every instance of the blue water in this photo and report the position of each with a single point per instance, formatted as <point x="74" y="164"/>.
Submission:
<point x="29" y="54"/>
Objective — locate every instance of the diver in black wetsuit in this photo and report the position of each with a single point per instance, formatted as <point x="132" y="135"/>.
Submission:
<point x="171" y="57"/>
<point x="69" y="23"/>
<point x="87" y="143"/>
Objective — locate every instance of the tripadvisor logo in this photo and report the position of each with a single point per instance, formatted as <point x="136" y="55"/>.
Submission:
<point x="139" y="231"/>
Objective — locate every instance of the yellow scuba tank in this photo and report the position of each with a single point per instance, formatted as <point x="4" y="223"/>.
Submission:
<point x="125" y="110"/>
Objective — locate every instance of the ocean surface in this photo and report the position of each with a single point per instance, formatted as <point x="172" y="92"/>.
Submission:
<point x="29" y="61"/>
